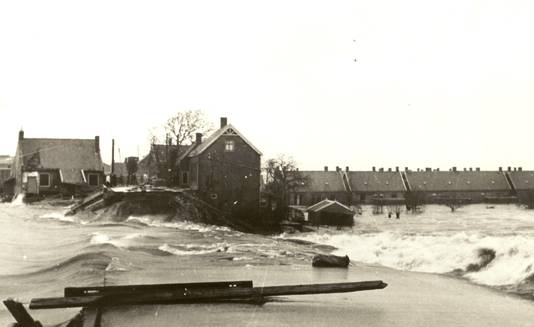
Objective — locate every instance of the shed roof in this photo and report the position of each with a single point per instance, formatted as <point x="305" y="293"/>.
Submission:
<point x="329" y="205"/>
<point x="371" y="181"/>
<point x="436" y="181"/>
<point x="522" y="180"/>
<point x="321" y="181"/>
<point x="226" y="130"/>
<point x="70" y="156"/>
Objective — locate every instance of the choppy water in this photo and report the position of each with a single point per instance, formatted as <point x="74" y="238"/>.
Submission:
<point x="44" y="251"/>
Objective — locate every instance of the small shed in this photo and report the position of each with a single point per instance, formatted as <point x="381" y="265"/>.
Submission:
<point x="330" y="212"/>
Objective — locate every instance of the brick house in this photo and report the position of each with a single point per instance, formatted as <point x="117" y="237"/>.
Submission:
<point x="223" y="170"/>
<point x="44" y="166"/>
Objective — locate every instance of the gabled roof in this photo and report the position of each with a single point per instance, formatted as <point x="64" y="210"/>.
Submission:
<point x="435" y="181"/>
<point x="321" y="181"/>
<point x="322" y="205"/>
<point x="163" y="152"/>
<point x="371" y="181"/>
<point x="226" y="130"/>
<point x="522" y="180"/>
<point x="70" y="156"/>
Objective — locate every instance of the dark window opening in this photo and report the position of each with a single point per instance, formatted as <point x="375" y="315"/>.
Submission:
<point x="93" y="179"/>
<point x="44" y="179"/>
<point x="185" y="177"/>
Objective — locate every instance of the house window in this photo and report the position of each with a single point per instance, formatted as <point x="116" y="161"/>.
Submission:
<point x="44" y="179"/>
<point x="93" y="179"/>
<point x="229" y="146"/>
<point x="185" y="177"/>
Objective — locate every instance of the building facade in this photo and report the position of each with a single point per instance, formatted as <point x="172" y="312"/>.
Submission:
<point x="43" y="166"/>
<point x="474" y="186"/>
<point x="5" y="172"/>
<point x="224" y="170"/>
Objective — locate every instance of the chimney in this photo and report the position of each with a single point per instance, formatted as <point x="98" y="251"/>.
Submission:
<point x="389" y="169"/>
<point x="381" y="170"/>
<point x="347" y="169"/>
<point x="325" y="168"/>
<point x="515" y="169"/>
<point x="520" y="168"/>
<point x="428" y="169"/>
<point x="337" y="168"/>
<point x="477" y="169"/>
<point x="465" y="169"/>
<point x="397" y="169"/>
<point x="500" y="169"/>
<point x="21" y="135"/>
<point x="437" y="169"/>
<point x="97" y="142"/>
<point x="198" y="138"/>
<point x="224" y="121"/>
<point x="470" y="168"/>
<point x="454" y="169"/>
<point x="405" y="168"/>
<point x="374" y="168"/>
<point x="509" y="168"/>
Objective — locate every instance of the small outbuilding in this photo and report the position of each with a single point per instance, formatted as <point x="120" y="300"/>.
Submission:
<point x="330" y="212"/>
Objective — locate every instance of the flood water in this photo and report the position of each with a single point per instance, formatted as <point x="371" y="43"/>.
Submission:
<point x="44" y="251"/>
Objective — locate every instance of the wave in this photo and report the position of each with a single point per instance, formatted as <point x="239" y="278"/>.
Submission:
<point x="125" y="241"/>
<point x="88" y="262"/>
<point x="163" y="221"/>
<point x="188" y="249"/>
<point x="493" y="260"/>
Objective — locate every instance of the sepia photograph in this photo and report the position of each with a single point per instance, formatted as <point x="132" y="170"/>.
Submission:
<point x="266" y="163"/>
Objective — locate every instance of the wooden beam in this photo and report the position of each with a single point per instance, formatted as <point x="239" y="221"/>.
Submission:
<point x="20" y="314"/>
<point x="129" y="289"/>
<point x="200" y="295"/>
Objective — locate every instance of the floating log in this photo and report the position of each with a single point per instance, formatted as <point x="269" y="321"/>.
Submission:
<point x="200" y="295"/>
<point x="322" y="260"/>
<point x="129" y="289"/>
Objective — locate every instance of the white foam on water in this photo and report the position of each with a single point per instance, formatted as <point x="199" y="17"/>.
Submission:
<point x="122" y="241"/>
<point x="189" y="249"/>
<point x="18" y="200"/>
<point x="58" y="216"/>
<point x="160" y="221"/>
<point x="438" y="252"/>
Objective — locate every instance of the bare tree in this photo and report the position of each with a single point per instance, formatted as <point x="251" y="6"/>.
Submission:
<point x="282" y="178"/>
<point x="154" y="135"/>
<point x="183" y="126"/>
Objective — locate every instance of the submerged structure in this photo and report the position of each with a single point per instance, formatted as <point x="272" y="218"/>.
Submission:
<point x="44" y="166"/>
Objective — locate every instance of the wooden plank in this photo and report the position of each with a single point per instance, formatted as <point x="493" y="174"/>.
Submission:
<point x="129" y="289"/>
<point x="22" y="317"/>
<point x="201" y="295"/>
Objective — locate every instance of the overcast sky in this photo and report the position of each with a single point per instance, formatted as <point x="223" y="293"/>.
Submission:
<point x="413" y="83"/>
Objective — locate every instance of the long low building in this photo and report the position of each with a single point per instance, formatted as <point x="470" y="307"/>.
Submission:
<point x="431" y="186"/>
<point x="474" y="186"/>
